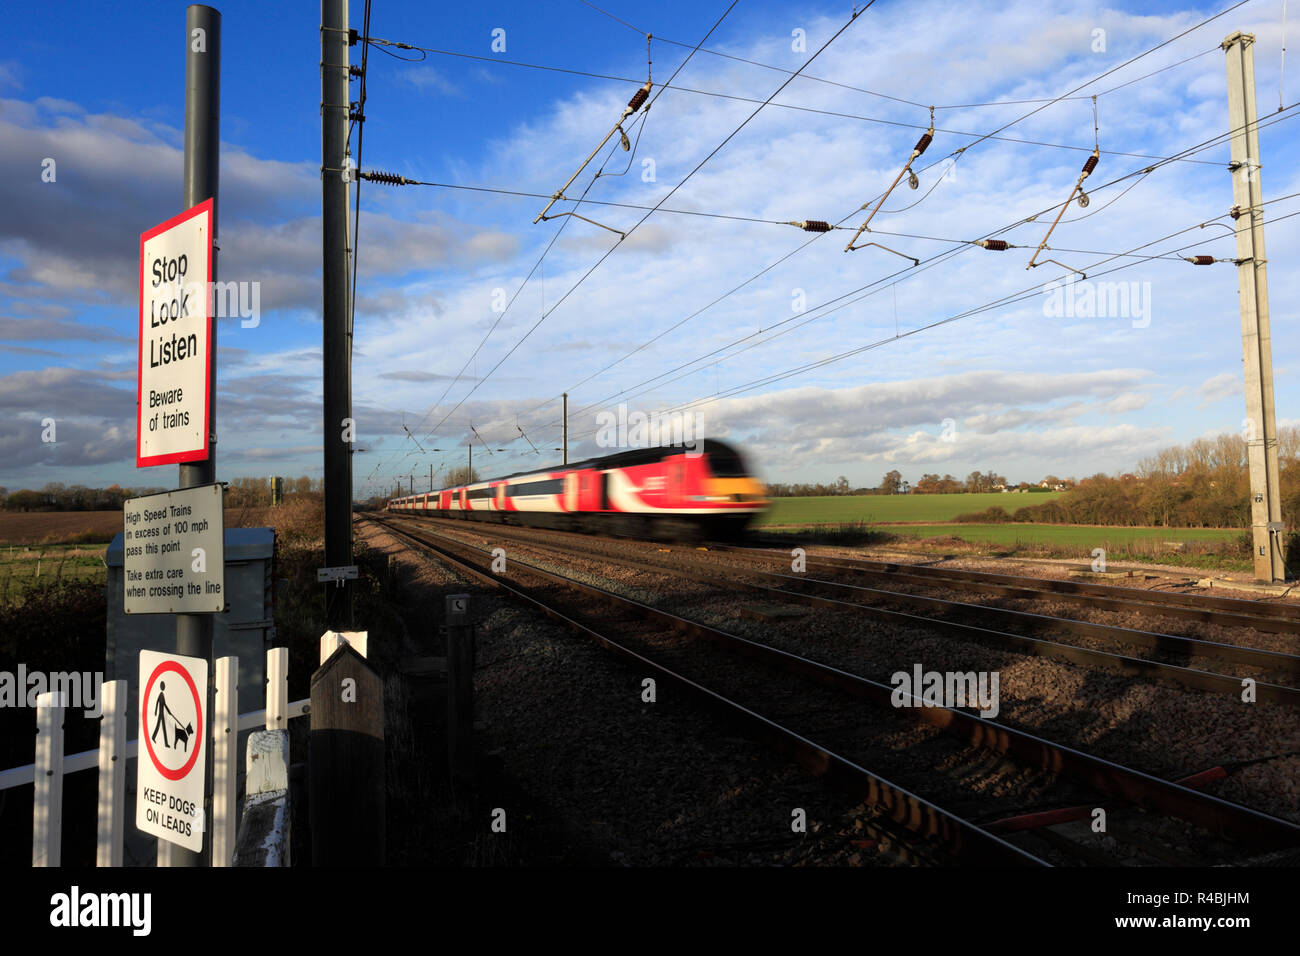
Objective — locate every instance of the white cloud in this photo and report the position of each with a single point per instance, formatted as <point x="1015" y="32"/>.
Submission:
<point x="1219" y="387"/>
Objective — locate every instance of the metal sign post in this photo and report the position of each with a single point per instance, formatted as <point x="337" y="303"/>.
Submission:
<point x="201" y="179"/>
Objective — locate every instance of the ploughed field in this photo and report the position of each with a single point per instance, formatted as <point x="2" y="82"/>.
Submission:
<point x="59" y="527"/>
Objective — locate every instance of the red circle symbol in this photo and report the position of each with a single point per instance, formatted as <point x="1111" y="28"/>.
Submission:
<point x="198" y="719"/>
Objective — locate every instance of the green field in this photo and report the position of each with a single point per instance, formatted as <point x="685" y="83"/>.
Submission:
<point x="920" y="516"/>
<point x="885" y="509"/>
<point x="1082" y="536"/>
<point x="22" y="568"/>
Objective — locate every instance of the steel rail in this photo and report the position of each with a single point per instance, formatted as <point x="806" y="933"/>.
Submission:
<point x="1133" y="666"/>
<point x="1240" y="612"/>
<point x="964" y="840"/>
<point x="1220" y="817"/>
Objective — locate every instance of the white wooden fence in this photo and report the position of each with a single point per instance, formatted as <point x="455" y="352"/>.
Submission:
<point x="114" y="751"/>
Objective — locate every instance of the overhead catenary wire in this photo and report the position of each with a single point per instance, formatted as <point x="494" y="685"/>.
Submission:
<point x="986" y="136"/>
<point x="1009" y="299"/>
<point x="959" y="246"/>
<point x="710" y="358"/>
<point x="501" y="61"/>
<point x="670" y="193"/>
<point x="545" y="251"/>
<point x="1180" y="155"/>
<point x="947" y="106"/>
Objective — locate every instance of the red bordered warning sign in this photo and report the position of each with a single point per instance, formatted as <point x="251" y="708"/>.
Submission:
<point x="175" y="352"/>
<point x="172" y="764"/>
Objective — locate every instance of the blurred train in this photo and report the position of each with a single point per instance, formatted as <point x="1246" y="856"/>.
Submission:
<point x="671" y="492"/>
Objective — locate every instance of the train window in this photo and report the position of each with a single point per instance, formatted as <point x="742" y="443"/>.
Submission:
<point x="480" y="493"/>
<point x="552" y="486"/>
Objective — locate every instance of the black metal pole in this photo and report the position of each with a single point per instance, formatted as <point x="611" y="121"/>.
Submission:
<point x="336" y="334"/>
<point x="202" y="155"/>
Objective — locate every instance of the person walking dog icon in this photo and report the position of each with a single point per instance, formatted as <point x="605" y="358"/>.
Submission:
<point x="162" y="711"/>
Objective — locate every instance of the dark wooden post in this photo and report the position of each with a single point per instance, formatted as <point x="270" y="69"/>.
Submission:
<point x="346" y="762"/>
<point x="460" y="689"/>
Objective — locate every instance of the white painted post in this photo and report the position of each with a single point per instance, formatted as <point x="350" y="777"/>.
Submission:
<point x="165" y="853"/>
<point x="112" y="775"/>
<point x="277" y="688"/>
<point x="225" y="736"/>
<point x="47" y="806"/>
<point x="330" y="641"/>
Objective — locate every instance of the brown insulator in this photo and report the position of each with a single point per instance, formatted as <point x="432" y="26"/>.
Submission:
<point x="1090" y="164"/>
<point x="1201" y="260"/>
<point x="816" y="225"/>
<point x="637" y="99"/>
<point x="923" y="142"/>
<point x="993" y="245"/>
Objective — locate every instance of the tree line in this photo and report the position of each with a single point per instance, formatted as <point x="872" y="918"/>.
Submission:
<point x="56" y="496"/>
<point x="1205" y="484"/>
<point x="894" y="484"/>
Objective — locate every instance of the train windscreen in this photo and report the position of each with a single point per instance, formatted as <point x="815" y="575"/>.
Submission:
<point x="726" y="463"/>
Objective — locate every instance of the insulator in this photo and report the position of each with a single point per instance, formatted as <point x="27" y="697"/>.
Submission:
<point x="993" y="245"/>
<point x="354" y="70"/>
<point x="1201" y="260"/>
<point x="923" y="142"/>
<point x="637" y="99"/>
<point x="353" y="36"/>
<point x="378" y="176"/>
<point x="1090" y="164"/>
<point x="1235" y="212"/>
<point x="815" y="225"/>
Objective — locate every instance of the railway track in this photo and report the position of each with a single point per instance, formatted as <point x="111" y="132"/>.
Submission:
<point x="1204" y="608"/>
<point x="1057" y="775"/>
<point x="1167" y="655"/>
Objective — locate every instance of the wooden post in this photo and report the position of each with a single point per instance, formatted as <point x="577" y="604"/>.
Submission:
<point x="47" y="804"/>
<point x="460" y="689"/>
<point x="112" y="774"/>
<point x="225" y="760"/>
<point x="277" y="688"/>
<point x="345" y="763"/>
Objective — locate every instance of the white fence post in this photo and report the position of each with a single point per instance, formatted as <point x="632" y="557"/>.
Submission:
<point x="112" y="774"/>
<point x="47" y="805"/>
<point x="277" y="688"/>
<point x="225" y="736"/>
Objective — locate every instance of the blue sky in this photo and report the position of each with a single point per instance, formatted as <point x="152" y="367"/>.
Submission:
<point x="1022" y="389"/>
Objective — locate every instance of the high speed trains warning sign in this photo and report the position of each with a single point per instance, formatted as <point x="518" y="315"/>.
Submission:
<point x="173" y="752"/>
<point x="172" y="412"/>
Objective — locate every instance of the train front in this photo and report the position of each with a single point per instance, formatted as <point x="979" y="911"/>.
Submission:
<point x="721" y="492"/>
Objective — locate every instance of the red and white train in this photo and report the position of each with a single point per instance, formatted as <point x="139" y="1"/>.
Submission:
<point x="672" y="491"/>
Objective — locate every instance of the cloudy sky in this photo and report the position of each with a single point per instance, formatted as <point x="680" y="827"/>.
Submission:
<point x="819" y="362"/>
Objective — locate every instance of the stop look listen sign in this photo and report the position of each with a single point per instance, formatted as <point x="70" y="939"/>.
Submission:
<point x="175" y="356"/>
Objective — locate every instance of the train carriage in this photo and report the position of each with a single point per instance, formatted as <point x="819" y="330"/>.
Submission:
<point x="671" y="491"/>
